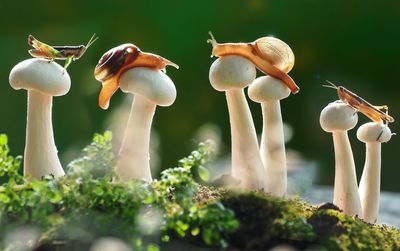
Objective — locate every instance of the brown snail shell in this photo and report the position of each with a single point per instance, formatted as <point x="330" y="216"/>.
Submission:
<point x="120" y="59"/>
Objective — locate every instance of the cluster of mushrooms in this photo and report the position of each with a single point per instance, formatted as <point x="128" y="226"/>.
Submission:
<point x="337" y="118"/>
<point x="256" y="166"/>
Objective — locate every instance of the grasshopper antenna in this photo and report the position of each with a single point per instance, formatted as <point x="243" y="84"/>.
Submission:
<point x="91" y="40"/>
<point x="330" y="85"/>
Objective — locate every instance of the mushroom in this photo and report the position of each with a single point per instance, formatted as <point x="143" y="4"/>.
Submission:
<point x="269" y="91"/>
<point x="141" y="74"/>
<point x="372" y="134"/>
<point x="150" y="88"/>
<point x="43" y="80"/>
<point x="274" y="58"/>
<point x="338" y="118"/>
<point x="231" y="74"/>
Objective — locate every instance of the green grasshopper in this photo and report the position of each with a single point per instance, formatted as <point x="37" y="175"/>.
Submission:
<point x="68" y="53"/>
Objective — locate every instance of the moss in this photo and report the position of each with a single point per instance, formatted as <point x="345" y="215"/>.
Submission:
<point x="207" y="194"/>
<point x="267" y="221"/>
<point x="84" y="205"/>
<point x="351" y="233"/>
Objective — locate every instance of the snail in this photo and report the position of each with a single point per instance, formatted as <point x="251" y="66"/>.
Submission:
<point x="270" y="55"/>
<point x="120" y="59"/>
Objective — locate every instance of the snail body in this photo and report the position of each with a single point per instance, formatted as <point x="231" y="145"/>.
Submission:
<point x="270" y="55"/>
<point x="118" y="60"/>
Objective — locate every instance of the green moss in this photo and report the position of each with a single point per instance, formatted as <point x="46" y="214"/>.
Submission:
<point x="350" y="233"/>
<point x="88" y="203"/>
<point x="266" y="221"/>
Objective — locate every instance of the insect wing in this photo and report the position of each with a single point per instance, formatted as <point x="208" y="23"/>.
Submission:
<point x="40" y="54"/>
<point x="47" y="51"/>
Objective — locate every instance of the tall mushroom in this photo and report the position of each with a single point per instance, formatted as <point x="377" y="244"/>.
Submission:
<point x="150" y="88"/>
<point x="372" y="134"/>
<point x="231" y="74"/>
<point x="141" y="74"/>
<point x="338" y="118"/>
<point x="274" y="58"/>
<point x="269" y="91"/>
<point x="43" y="80"/>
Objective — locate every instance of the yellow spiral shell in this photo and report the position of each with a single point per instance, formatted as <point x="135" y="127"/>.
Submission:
<point x="277" y="52"/>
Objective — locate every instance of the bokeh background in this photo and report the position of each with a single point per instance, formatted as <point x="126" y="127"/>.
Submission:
<point x="351" y="43"/>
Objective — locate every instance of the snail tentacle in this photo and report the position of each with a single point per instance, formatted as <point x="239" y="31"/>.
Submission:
<point x="213" y="42"/>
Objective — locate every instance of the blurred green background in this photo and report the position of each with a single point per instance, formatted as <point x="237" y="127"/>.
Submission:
<point x="352" y="43"/>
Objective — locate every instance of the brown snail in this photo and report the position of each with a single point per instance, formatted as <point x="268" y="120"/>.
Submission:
<point x="270" y="55"/>
<point x="120" y="59"/>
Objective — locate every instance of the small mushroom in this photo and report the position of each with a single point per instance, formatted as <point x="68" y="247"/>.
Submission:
<point x="43" y="80"/>
<point x="232" y="74"/>
<point x="338" y="118"/>
<point x="372" y="134"/>
<point x="141" y="74"/>
<point x="269" y="91"/>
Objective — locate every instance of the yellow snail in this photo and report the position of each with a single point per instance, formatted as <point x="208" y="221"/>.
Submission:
<point x="270" y="55"/>
<point x="120" y="59"/>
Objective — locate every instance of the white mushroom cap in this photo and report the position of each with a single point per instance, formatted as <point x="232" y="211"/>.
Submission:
<point x="231" y="72"/>
<point x="40" y="75"/>
<point x="338" y="116"/>
<point x="154" y="85"/>
<point x="267" y="88"/>
<point x="374" y="132"/>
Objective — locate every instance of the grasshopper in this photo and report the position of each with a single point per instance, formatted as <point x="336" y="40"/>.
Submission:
<point x="373" y="112"/>
<point x="68" y="53"/>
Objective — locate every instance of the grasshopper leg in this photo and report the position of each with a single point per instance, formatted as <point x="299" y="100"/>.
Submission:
<point x="382" y="107"/>
<point x="67" y="62"/>
<point x="385" y="109"/>
<point x="379" y="136"/>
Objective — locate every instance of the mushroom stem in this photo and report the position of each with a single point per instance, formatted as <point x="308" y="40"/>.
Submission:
<point x="246" y="161"/>
<point x="345" y="194"/>
<point x="40" y="150"/>
<point x="370" y="182"/>
<point x="272" y="148"/>
<point x="134" y="156"/>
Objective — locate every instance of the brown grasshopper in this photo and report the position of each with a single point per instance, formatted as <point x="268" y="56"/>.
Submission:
<point x="68" y="53"/>
<point x="375" y="113"/>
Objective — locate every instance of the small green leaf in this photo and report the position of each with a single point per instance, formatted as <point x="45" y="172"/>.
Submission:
<point x="148" y="200"/>
<point x="204" y="173"/>
<point x="35" y="185"/>
<point x="165" y="238"/>
<point x="195" y="231"/>
<point x="138" y="242"/>
<point x="193" y="209"/>
<point x="182" y="225"/>
<point x="3" y="139"/>
<point x="56" y="198"/>
<point x="152" y="247"/>
<point x="98" y="191"/>
<point x="4" y="198"/>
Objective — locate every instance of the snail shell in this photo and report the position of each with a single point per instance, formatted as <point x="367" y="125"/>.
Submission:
<point x="120" y="59"/>
<point x="276" y="51"/>
<point x="270" y="55"/>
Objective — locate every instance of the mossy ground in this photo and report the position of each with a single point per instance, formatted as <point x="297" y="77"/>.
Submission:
<point x="267" y="221"/>
<point x="186" y="212"/>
